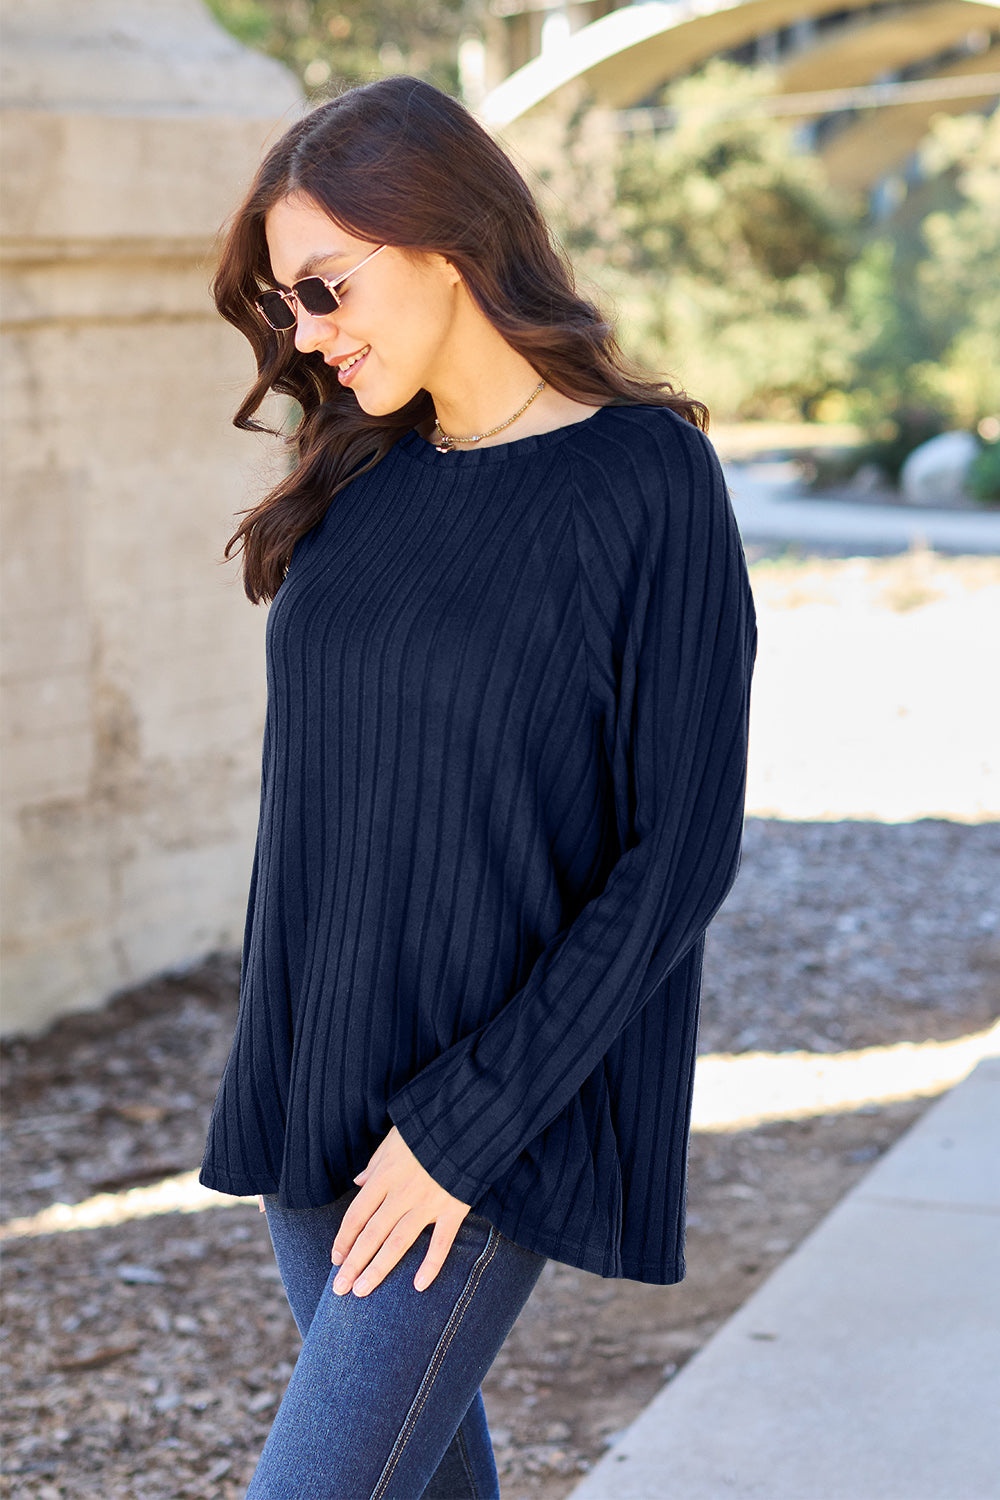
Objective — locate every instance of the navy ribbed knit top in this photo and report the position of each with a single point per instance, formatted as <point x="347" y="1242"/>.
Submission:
<point x="502" y="797"/>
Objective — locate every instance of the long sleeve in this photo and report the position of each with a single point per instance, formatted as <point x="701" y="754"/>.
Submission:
<point x="669" y="627"/>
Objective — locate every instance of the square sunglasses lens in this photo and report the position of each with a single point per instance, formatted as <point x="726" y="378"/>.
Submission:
<point x="315" y="296"/>
<point x="276" y="310"/>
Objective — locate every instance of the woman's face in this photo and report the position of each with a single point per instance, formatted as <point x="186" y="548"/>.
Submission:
<point x="400" y="311"/>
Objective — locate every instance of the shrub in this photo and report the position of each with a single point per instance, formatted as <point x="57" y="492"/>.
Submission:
<point x="983" y="479"/>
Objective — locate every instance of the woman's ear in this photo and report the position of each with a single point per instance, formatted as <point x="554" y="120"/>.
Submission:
<point x="453" y="273"/>
<point x="434" y="262"/>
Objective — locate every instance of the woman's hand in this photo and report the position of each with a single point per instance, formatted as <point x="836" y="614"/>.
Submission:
<point x="398" y="1199"/>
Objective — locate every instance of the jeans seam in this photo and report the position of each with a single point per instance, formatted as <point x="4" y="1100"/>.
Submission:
<point x="463" y="1449"/>
<point x="436" y="1360"/>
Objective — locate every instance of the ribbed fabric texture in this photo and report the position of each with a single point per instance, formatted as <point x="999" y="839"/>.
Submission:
<point x="502" y="797"/>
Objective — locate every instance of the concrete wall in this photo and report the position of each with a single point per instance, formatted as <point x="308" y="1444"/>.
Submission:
<point x="133" y="671"/>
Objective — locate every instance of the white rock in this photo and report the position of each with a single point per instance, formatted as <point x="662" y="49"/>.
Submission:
<point x="934" y="473"/>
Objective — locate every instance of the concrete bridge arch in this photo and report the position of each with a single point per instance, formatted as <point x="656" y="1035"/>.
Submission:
<point x="817" y="45"/>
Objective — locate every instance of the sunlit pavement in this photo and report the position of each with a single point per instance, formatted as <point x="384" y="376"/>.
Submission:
<point x="866" y="1367"/>
<point x="746" y="1089"/>
<point x="859" y="710"/>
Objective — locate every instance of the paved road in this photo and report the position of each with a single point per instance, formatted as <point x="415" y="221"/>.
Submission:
<point x="770" y="507"/>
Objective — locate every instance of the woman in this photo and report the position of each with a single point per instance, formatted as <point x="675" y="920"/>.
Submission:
<point x="509" y="659"/>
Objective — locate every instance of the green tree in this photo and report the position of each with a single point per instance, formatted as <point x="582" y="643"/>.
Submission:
<point x="342" y="42"/>
<point x="925" y="297"/>
<point x="958" y="281"/>
<point x="721" y="245"/>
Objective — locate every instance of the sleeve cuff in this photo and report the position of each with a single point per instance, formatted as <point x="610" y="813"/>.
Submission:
<point x="431" y="1157"/>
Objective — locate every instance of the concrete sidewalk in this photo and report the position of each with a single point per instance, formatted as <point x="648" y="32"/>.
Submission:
<point x="867" y="1367"/>
<point x="770" y="506"/>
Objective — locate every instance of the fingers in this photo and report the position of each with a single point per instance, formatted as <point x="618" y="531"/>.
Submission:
<point x="360" y="1214"/>
<point x="397" y="1200"/>
<point x="375" y="1252"/>
<point x="441" y="1242"/>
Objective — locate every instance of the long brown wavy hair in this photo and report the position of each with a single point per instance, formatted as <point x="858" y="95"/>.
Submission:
<point x="399" y="162"/>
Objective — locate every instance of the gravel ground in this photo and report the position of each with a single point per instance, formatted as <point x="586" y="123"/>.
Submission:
<point x="144" y="1361"/>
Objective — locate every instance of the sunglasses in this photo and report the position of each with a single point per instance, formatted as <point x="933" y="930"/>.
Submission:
<point x="317" y="294"/>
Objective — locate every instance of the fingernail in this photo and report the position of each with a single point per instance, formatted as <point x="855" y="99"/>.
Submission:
<point x="337" y="1258"/>
<point x="419" y="1282"/>
<point x="340" y="1286"/>
<point x="360" y="1288"/>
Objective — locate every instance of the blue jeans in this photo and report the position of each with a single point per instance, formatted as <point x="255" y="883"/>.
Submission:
<point x="384" y="1401"/>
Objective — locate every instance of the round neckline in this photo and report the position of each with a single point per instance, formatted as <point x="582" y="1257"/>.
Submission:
<point x="422" y="449"/>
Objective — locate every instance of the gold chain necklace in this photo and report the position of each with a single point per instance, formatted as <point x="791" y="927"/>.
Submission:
<point x="448" y="444"/>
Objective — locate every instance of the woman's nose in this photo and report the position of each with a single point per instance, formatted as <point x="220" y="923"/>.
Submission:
<point x="310" y="331"/>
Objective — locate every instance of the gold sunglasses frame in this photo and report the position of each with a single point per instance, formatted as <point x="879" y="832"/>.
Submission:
<point x="331" y="284"/>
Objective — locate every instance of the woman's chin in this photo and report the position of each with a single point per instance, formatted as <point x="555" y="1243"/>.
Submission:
<point x="371" y="404"/>
<point x="384" y="404"/>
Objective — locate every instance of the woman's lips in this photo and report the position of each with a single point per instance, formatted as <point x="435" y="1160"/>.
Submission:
<point x="346" y="376"/>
